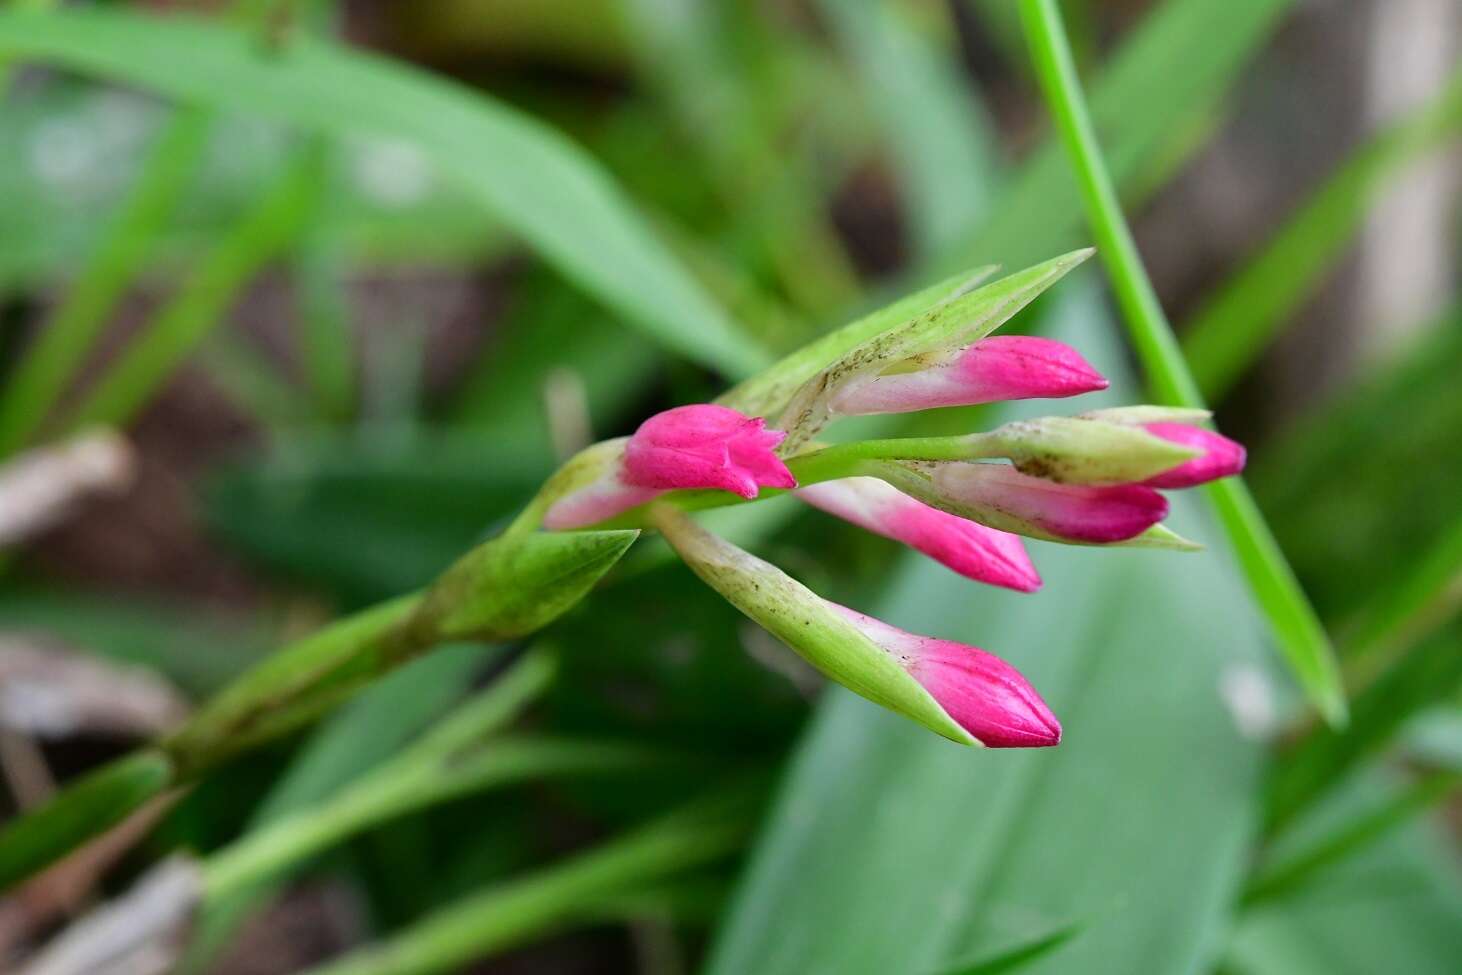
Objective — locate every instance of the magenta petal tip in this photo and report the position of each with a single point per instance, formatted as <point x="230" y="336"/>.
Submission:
<point x="1221" y="456"/>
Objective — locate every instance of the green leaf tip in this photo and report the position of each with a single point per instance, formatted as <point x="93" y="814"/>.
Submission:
<point x="516" y="584"/>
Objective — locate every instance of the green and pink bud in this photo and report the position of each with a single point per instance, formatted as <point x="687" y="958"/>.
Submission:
<point x="986" y="696"/>
<point x="991" y="370"/>
<point x="688" y="447"/>
<point x="960" y="692"/>
<point x="971" y="549"/>
<point x="1005" y="498"/>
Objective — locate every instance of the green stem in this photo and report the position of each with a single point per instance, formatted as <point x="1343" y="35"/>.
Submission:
<point x="1291" y="617"/>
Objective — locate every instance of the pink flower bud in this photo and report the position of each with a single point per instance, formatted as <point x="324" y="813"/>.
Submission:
<point x="1069" y="512"/>
<point x="700" y="446"/>
<point x="706" y="446"/>
<point x="1221" y="456"/>
<point x="982" y="693"/>
<point x="972" y="550"/>
<point x="989" y="371"/>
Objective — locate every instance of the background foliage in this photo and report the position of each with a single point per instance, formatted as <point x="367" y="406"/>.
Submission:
<point x="352" y="278"/>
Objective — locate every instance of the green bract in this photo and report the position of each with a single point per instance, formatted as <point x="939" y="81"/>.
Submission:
<point x="803" y="621"/>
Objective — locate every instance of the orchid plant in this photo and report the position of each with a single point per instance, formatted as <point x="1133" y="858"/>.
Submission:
<point x="966" y="501"/>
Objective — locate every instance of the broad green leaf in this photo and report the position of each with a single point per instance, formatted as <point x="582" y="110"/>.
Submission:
<point x="537" y="182"/>
<point x="99" y="800"/>
<point x="892" y="852"/>
<point x="1238" y="322"/>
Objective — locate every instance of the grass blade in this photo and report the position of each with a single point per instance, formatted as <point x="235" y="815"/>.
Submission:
<point x="1296" y="627"/>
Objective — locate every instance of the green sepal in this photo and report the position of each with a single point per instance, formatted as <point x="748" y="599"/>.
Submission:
<point x="1139" y="415"/>
<point x="516" y="584"/>
<point x="805" y="622"/>
<point x="1163" y="537"/>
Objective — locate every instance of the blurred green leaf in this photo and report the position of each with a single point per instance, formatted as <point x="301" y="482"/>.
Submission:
<point x="96" y="802"/>
<point x="1017" y="957"/>
<point x="151" y="355"/>
<point x="936" y="130"/>
<point x="60" y="346"/>
<point x="1281" y="879"/>
<point x="363" y="516"/>
<point x="543" y="186"/>
<point x="1341" y="486"/>
<point x="1390" y="908"/>
<point x="362" y="735"/>
<point x="163" y="636"/>
<point x="1174" y="66"/>
<point x="1429" y="673"/>
<point x="1238" y="322"/>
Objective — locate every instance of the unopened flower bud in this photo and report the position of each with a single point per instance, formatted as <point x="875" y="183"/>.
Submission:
<point x="989" y="698"/>
<point x="989" y="371"/>
<point x="1017" y="502"/>
<point x="971" y="549"/>
<point x="1219" y="456"/>
<point x="698" y="446"/>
